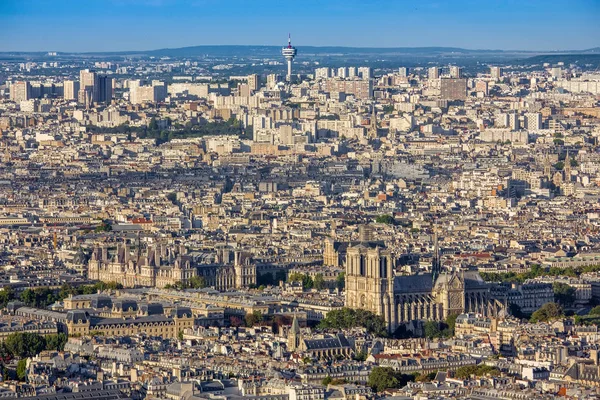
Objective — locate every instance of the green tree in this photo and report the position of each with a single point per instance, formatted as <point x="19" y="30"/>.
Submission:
<point x="346" y="318"/>
<point x="595" y="311"/>
<point x="547" y="312"/>
<point x="319" y="282"/>
<point x="6" y="295"/>
<point x="340" y="281"/>
<point x="196" y="282"/>
<point x="326" y="381"/>
<point x="385" y="219"/>
<point x="28" y="297"/>
<point x="432" y="329"/>
<point x="56" y="342"/>
<point x="254" y="318"/>
<point x="563" y="293"/>
<point x="476" y="370"/>
<point x="360" y="356"/>
<point x="22" y="369"/>
<point x="382" y="378"/>
<point x="105" y="226"/>
<point x="450" y="325"/>
<point x="153" y="125"/>
<point x="425" y="377"/>
<point x="172" y="197"/>
<point x="24" y="344"/>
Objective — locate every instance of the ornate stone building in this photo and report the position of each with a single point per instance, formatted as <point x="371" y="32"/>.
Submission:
<point x="371" y="284"/>
<point x="156" y="266"/>
<point x="162" y="265"/>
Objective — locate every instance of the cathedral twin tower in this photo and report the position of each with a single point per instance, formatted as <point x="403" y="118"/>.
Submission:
<point x="371" y="284"/>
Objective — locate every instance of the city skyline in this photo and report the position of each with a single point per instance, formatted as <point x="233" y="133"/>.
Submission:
<point x="68" y="27"/>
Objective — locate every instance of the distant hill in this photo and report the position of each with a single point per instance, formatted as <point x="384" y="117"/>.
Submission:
<point x="317" y="51"/>
<point x="196" y="51"/>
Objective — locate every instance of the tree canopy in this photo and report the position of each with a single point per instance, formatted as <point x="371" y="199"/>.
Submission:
<point x="382" y="378"/>
<point x="476" y="370"/>
<point x="346" y="318"/>
<point x="385" y="219"/>
<point x="563" y="293"/>
<point x="547" y="312"/>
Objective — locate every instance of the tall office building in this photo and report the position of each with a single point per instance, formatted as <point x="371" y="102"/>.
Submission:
<point x="87" y="79"/>
<point x="453" y="89"/>
<point x="455" y="72"/>
<point x="496" y="73"/>
<point x="433" y="73"/>
<point x="70" y="89"/>
<point x="403" y="72"/>
<point x="103" y="92"/>
<point x="254" y="82"/>
<point x="94" y="88"/>
<point x="20" y="91"/>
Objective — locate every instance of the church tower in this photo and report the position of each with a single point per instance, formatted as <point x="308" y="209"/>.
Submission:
<point x="294" y="336"/>
<point x="567" y="168"/>
<point x="370" y="281"/>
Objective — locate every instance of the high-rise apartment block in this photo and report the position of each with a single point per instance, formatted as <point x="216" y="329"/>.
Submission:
<point x="254" y="82"/>
<point x="433" y="73"/>
<point x="453" y="89"/>
<point x="403" y="72"/>
<point x="323" y="73"/>
<point x="20" y="91"/>
<point x="361" y="89"/>
<point x="272" y="80"/>
<point x="365" y="72"/>
<point x="148" y="94"/>
<point x="455" y="72"/>
<point x="70" y="89"/>
<point x="496" y="73"/>
<point x="342" y="72"/>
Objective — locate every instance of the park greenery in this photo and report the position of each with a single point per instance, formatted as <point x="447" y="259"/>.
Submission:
<point x="435" y="329"/>
<point x="537" y="271"/>
<point x="177" y="131"/>
<point x="28" y="344"/>
<point x="44" y="296"/>
<point x="382" y="378"/>
<point x="195" y="282"/>
<point x="385" y="219"/>
<point x="307" y="280"/>
<point x="547" y="312"/>
<point x="476" y="370"/>
<point x="347" y="318"/>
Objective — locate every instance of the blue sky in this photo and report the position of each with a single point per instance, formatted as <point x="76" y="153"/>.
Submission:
<point x="111" y="25"/>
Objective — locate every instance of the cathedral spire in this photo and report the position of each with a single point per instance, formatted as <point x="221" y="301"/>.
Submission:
<point x="435" y="267"/>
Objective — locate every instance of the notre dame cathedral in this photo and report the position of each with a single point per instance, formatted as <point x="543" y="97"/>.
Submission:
<point x="372" y="284"/>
